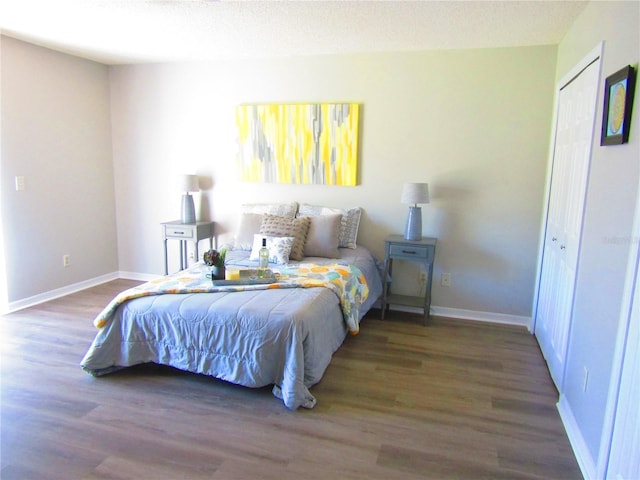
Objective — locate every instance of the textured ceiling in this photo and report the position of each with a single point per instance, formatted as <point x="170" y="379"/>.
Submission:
<point x="140" y="31"/>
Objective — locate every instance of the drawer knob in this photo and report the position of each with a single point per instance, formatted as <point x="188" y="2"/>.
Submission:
<point x="412" y="252"/>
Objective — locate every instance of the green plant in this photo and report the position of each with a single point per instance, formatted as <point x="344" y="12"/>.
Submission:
<point x="215" y="257"/>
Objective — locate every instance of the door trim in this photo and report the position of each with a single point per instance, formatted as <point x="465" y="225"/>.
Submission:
<point x="594" y="55"/>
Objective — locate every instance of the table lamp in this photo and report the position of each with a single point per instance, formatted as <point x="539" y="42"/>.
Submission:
<point x="414" y="194"/>
<point x="188" y="183"/>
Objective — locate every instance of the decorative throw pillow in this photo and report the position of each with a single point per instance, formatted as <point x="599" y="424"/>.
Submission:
<point x="298" y="228"/>
<point x="348" y="227"/>
<point x="324" y="236"/>
<point x="249" y="225"/>
<point x="279" y="248"/>
<point x="281" y="209"/>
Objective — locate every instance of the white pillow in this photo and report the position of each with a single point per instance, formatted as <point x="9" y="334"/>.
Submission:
<point x="350" y="221"/>
<point x="280" y="209"/>
<point x="279" y="248"/>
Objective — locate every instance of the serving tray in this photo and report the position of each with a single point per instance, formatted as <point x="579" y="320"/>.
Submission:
<point x="245" y="281"/>
<point x="250" y="276"/>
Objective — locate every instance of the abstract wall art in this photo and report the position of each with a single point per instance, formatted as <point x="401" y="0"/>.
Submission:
<point x="298" y="143"/>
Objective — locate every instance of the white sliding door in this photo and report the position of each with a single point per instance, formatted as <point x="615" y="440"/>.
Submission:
<point x="570" y="171"/>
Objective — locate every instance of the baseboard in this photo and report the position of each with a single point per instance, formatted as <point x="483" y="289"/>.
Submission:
<point x="491" y="317"/>
<point x="579" y="446"/>
<point x="60" y="292"/>
<point x="463" y="314"/>
<point x="76" y="287"/>
<point x="143" y="277"/>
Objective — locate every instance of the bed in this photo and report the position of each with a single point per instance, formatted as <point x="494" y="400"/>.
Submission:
<point x="282" y="334"/>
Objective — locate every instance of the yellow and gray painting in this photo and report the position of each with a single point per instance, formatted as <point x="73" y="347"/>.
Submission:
<point x="298" y="143"/>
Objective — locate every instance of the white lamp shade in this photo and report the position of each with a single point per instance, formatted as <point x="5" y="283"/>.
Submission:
<point x="415" y="193"/>
<point x="188" y="183"/>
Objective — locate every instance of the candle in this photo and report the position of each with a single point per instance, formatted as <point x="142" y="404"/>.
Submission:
<point x="232" y="274"/>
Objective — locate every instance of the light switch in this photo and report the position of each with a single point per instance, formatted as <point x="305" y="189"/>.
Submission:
<point x="19" y="183"/>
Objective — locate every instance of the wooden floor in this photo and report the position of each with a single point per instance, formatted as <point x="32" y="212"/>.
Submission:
<point x="399" y="401"/>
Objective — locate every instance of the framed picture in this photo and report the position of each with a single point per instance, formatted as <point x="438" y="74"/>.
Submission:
<point x="618" y="100"/>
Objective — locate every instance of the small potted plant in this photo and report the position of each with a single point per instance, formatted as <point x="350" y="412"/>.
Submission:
<point x="215" y="259"/>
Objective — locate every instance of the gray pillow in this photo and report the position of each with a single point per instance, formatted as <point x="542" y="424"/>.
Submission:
<point x="350" y="221"/>
<point x="249" y="225"/>
<point x="324" y="236"/>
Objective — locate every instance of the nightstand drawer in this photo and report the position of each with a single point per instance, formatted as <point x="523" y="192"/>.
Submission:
<point x="410" y="251"/>
<point x="177" y="232"/>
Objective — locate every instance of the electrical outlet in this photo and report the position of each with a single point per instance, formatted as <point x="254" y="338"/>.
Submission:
<point x="423" y="277"/>
<point x="66" y="260"/>
<point x="445" y="280"/>
<point x="192" y="255"/>
<point x="19" y="183"/>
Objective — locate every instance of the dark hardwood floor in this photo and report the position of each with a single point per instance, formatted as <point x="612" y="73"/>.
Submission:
<point x="454" y="399"/>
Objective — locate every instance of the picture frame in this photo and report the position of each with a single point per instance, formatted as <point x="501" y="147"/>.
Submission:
<point x="618" y="101"/>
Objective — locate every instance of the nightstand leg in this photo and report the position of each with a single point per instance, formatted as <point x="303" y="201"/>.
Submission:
<point x="385" y="287"/>
<point x="166" y="264"/>
<point x="427" y="296"/>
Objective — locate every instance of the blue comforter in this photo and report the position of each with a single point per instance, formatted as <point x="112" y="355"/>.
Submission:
<point x="280" y="337"/>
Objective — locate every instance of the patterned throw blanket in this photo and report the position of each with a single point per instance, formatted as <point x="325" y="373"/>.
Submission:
<point x="346" y="281"/>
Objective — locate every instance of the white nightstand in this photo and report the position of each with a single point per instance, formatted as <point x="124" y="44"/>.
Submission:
<point x="423" y="251"/>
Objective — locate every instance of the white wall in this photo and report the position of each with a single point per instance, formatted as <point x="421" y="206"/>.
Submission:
<point x="475" y="124"/>
<point x="607" y="242"/>
<point x="56" y="133"/>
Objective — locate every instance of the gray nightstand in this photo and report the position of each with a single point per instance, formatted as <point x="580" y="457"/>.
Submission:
<point x="424" y="251"/>
<point x="185" y="232"/>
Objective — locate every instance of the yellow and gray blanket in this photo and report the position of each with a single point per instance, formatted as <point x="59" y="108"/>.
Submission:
<point x="346" y="281"/>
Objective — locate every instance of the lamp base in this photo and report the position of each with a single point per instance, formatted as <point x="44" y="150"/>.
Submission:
<point x="413" y="229"/>
<point x="188" y="210"/>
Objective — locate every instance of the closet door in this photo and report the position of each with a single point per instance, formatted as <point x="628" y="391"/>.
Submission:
<point x="572" y="152"/>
